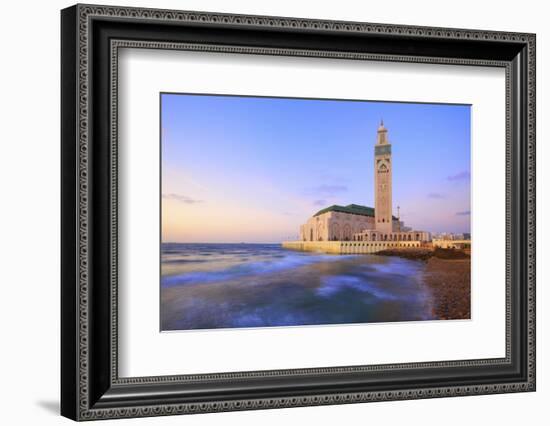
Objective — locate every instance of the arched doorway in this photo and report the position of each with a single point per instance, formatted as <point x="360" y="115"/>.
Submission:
<point x="336" y="232"/>
<point x="347" y="232"/>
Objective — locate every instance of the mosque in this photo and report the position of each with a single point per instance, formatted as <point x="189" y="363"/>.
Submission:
<point x="360" y="223"/>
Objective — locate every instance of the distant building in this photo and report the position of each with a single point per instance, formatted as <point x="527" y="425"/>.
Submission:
<point x="355" y="222"/>
<point x="454" y="244"/>
<point x="452" y="236"/>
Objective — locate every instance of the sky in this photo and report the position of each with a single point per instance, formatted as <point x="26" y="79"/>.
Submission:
<point x="252" y="169"/>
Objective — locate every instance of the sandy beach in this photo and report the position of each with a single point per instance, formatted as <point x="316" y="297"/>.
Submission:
<point x="447" y="274"/>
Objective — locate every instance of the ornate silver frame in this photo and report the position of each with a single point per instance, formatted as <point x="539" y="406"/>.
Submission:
<point x="91" y="388"/>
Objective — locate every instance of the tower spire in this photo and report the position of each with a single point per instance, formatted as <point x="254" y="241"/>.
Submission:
<point x="382" y="133"/>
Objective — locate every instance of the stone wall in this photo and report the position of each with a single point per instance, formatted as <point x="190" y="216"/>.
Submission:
<point x="332" y="226"/>
<point x="347" y="247"/>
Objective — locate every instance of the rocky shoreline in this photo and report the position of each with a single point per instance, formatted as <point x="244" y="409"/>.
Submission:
<point x="420" y="253"/>
<point x="448" y="276"/>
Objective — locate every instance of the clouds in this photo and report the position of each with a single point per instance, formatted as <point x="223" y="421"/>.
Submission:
<point x="462" y="176"/>
<point x="181" y="198"/>
<point x="463" y="213"/>
<point x="326" y="190"/>
<point x="325" y="194"/>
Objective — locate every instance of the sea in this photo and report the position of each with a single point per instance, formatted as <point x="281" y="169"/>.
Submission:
<point x="213" y="286"/>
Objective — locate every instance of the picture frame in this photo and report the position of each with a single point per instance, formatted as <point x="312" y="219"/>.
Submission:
<point x="90" y="384"/>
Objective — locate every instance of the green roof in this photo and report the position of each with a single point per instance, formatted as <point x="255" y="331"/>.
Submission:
<point x="350" y="209"/>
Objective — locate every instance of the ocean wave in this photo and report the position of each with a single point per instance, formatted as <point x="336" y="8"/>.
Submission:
<point x="243" y="269"/>
<point x="395" y="267"/>
<point x="337" y="283"/>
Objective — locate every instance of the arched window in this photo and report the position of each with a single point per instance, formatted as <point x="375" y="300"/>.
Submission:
<point x="347" y="232"/>
<point x="336" y="232"/>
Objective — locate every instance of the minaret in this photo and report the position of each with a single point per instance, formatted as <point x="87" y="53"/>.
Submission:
<point x="382" y="182"/>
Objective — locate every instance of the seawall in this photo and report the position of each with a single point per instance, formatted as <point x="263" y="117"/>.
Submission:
<point x="347" y="247"/>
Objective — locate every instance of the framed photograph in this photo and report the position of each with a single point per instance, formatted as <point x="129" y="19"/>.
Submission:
<point x="263" y="212"/>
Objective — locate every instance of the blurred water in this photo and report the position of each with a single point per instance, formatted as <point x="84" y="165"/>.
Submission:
<point x="206" y="286"/>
